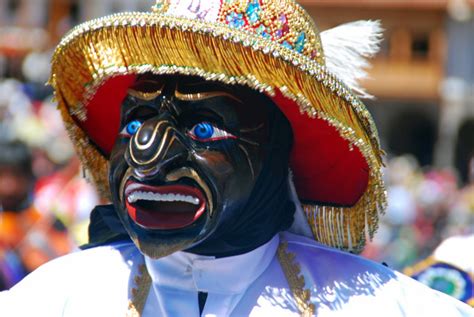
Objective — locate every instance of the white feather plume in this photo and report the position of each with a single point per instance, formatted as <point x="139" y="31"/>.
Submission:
<point x="347" y="48"/>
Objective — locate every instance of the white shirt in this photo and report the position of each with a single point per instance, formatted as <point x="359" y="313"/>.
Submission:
<point x="98" y="282"/>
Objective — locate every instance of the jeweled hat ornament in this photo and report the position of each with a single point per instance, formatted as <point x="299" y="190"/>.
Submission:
<point x="268" y="45"/>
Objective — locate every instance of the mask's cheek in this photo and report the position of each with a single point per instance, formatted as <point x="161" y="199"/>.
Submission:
<point x="230" y="174"/>
<point x="216" y="162"/>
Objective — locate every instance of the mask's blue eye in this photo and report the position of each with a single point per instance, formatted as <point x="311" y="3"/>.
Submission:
<point x="203" y="130"/>
<point x="206" y="132"/>
<point x="132" y="127"/>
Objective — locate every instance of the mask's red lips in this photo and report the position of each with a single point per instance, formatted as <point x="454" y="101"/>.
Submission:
<point x="163" y="207"/>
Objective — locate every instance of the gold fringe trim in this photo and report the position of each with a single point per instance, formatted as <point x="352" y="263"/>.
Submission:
<point x="136" y="43"/>
<point x="349" y="228"/>
<point x="346" y="228"/>
<point x="95" y="164"/>
<point x="295" y="280"/>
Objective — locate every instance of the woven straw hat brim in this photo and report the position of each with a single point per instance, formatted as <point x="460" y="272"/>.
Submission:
<point x="336" y="159"/>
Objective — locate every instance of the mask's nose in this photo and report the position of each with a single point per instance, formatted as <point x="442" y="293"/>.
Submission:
<point x="156" y="144"/>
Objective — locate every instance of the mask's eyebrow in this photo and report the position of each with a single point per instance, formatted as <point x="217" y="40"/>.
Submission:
<point x="141" y="89"/>
<point x="204" y="95"/>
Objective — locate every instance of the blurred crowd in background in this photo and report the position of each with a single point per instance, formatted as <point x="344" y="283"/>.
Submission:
<point x="423" y="78"/>
<point x="425" y="207"/>
<point x="44" y="199"/>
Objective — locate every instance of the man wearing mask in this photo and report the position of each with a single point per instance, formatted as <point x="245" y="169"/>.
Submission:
<point x="190" y="118"/>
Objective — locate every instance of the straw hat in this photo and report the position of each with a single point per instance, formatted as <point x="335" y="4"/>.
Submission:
<point x="271" y="46"/>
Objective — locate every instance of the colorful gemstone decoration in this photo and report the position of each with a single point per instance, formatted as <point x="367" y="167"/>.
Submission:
<point x="252" y="12"/>
<point x="287" y="45"/>
<point x="160" y="6"/>
<point x="299" y="45"/>
<point x="235" y="20"/>
<point x="264" y="31"/>
<point x="274" y="22"/>
<point x="282" y="18"/>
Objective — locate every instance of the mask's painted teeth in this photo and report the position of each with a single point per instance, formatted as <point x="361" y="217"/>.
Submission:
<point x="139" y="195"/>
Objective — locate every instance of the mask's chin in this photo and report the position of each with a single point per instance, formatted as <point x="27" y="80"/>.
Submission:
<point x="162" y="218"/>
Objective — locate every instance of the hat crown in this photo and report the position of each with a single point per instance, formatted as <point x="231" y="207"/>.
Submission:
<point x="280" y="21"/>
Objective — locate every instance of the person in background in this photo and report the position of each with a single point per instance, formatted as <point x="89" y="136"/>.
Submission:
<point x="450" y="269"/>
<point x="28" y="237"/>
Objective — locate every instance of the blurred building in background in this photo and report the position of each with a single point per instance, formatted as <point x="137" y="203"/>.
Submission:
<point x="423" y="81"/>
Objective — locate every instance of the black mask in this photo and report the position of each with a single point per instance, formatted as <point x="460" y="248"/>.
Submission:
<point x="200" y="166"/>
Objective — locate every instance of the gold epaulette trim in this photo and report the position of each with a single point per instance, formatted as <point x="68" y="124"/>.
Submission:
<point x="295" y="280"/>
<point x="139" y="293"/>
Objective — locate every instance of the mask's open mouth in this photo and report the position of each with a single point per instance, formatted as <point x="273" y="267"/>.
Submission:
<point x="163" y="207"/>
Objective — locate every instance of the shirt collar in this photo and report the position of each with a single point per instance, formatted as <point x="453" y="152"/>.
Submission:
<point x="228" y="275"/>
